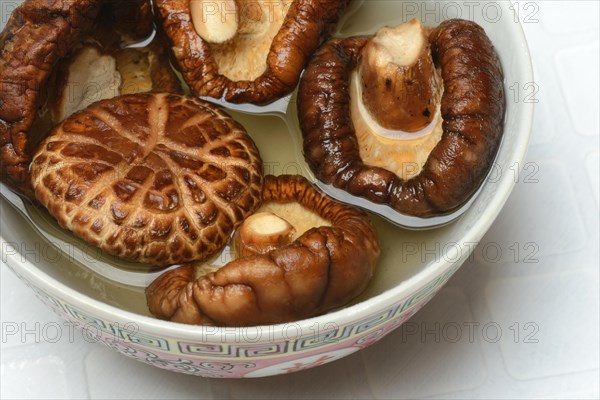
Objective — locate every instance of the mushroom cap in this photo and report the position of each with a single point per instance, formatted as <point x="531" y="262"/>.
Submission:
<point x="38" y="35"/>
<point x="155" y="178"/>
<point x="472" y="109"/>
<point x="324" y="268"/>
<point x="306" y="25"/>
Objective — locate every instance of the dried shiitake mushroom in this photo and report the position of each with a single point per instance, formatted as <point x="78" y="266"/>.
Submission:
<point x="246" y="51"/>
<point x="301" y="255"/>
<point x="58" y="56"/>
<point x="411" y="117"/>
<point x="156" y="178"/>
<point x="95" y="72"/>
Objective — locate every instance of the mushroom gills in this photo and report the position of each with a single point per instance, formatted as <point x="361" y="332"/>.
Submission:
<point x="134" y="65"/>
<point x="395" y="95"/>
<point x="299" y="217"/>
<point x="202" y="269"/>
<point x="240" y="33"/>
<point x="92" y="75"/>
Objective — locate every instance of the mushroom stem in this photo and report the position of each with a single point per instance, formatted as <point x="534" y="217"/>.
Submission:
<point x="215" y="21"/>
<point x="398" y="78"/>
<point x="262" y="233"/>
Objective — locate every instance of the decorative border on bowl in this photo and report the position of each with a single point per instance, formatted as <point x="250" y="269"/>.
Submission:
<point x="244" y="352"/>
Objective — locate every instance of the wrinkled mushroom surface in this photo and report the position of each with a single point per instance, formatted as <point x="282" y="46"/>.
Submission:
<point x="324" y="268"/>
<point x="38" y="51"/>
<point x="460" y="147"/>
<point x="246" y="51"/>
<point x="155" y="178"/>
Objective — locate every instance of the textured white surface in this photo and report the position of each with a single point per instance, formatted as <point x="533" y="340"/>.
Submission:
<point x="520" y="319"/>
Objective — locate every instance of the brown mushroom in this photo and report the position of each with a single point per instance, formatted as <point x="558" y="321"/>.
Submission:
<point x="39" y="50"/>
<point x="155" y="178"/>
<point x="325" y="267"/>
<point x="425" y="173"/>
<point x="246" y="51"/>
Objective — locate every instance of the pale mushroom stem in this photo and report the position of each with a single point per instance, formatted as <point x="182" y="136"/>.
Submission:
<point x="215" y="21"/>
<point x="398" y="78"/>
<point x="262" y="233"/>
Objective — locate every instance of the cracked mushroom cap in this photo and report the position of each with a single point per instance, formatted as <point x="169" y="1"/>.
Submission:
<point x="323" y="268"/>
<point x="155" y="178"/>
<point x="246" y="51"/>
<point x="432" y="171"/>
<point x="43" y="38"/>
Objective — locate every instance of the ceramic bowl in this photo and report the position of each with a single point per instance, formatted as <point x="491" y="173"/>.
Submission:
<point x="414" y="265"/>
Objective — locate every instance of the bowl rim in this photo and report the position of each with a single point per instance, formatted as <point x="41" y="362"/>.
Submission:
<point x="343" y="316"/>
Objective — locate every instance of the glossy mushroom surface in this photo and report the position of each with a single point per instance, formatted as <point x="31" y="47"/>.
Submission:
<point x="324" y="268"/>
<point x="246" y="51"/>
<point x="460" y="146"/>
<point x="156" y="178"/>
<point x="39" y="48"/>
